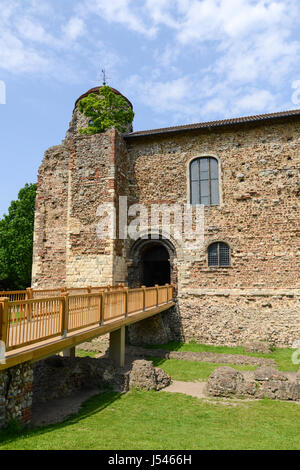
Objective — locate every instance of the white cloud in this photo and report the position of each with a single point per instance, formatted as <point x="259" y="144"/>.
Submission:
<point x="255" y="101"/>
<point x="123" y="12"/>
<point x="160" y="11"/>
<point x="167" y="57"/>
<point x="206" y="57"/>
<point x="74" y="28"/>
<point x="33" y="31"/>
<point x="175" y="101"/>
<point x="189" y="99"/>
<point x="30" y="43"/>
<point x="268" y="56"/>
<point x="254" y="48"/>
<point x="16" y="58"/>
<point x="217" y="20"/>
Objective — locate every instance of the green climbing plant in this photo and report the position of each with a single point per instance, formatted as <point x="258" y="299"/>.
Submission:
<point x="105" y="110"/>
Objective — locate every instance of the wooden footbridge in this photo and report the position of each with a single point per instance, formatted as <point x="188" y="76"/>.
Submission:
<point x="35" y="324"/>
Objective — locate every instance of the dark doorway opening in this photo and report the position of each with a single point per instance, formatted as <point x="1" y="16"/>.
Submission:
<point x="155" y="265"/>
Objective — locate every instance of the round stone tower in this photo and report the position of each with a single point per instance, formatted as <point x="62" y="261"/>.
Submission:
<point x="79" y="120"/>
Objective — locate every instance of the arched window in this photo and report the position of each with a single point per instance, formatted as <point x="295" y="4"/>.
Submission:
<point x="219" y="254"/>
<point x="204" y="181"/>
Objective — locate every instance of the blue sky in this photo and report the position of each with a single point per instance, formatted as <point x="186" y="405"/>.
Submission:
<point x="178" y="62"/>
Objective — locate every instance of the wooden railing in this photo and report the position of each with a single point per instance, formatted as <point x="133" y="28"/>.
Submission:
<point x="28" y="321"/>
<point x="45" y="293"/>
<point x="14" y="295"/>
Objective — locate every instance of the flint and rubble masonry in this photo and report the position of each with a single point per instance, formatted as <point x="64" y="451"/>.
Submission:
<point x="16" y="389"/>
<point x="257" y="297"/>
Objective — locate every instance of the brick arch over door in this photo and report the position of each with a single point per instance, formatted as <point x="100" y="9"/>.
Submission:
<point x="147" y="254"/>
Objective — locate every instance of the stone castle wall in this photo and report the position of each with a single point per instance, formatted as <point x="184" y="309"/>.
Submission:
<point x="74" y="179"/>
<point x="259" y="211"/>
<point x="234" y="316"/>
<point x="258" y="217"/>
<point x="50" y="227"/>
<point x="257" y="297"/>
<point x="91" y="177"/>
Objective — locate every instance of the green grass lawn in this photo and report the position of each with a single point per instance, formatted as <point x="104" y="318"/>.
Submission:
<point x="141" y="420"/>
<point x="181" y="370"/>
<point x="82" y="353"/>
<point x="282" y="357"/>
<point x="190" y="371"/>
<point x="165" y="421"/>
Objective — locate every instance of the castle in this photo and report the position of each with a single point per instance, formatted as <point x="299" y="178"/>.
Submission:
<point x="242" y="283"/>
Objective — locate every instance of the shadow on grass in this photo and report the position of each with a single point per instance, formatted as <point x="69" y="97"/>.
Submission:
<point x="92" y="406"/>
<point x="172" y="346"/>
<point x="157" y="361"/>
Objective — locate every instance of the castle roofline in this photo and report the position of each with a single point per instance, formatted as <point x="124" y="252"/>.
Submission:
<point x="215" y="124"/>
<point x="96" y="91"/>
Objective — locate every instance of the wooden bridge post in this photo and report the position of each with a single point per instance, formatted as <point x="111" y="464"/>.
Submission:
<point x="89" y="291"/>
<point x="4" y="319"/>
<point x="167" y="286"/>
<point x="28" y="308"/>
<point x="144" y="298"/>
<point x="100" y="308"/>
<point x="117" y="346"/>
<point x="156" y="285"/>
<point x="65" y="323"/>
<point x="29" y="293"/>
<point x="64" y="314"/>
<point x="71" y="352"/>
<point x="126" y="301"/>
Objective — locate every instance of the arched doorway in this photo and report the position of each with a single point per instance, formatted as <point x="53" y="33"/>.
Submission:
<point x="155" y="265"/>
<point x="151" y="261"/>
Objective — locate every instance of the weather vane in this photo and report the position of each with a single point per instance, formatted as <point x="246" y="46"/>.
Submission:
<point x="104" y="77"/>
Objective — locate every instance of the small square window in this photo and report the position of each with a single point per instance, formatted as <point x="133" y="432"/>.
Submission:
<point x="219" y="255"/>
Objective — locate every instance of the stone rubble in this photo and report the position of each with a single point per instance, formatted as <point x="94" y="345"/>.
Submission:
<point x="59" y="376"/>
<point x="265" y="382"/>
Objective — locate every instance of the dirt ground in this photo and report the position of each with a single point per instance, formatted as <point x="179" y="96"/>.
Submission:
<point x="58" y="410"/>
<point x="194" y="389"/>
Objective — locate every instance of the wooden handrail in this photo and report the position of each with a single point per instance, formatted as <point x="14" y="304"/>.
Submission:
<point x="30" y="321"/>
<point x="30" y="293"/>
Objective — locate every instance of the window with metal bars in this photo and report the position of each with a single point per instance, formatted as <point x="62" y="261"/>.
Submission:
<point x="204" y="181"/>
<point x="219" y="254"/>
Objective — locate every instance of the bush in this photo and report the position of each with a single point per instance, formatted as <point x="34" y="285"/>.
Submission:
<point x="105" y="111"/>
<point x="16" y="241"/>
